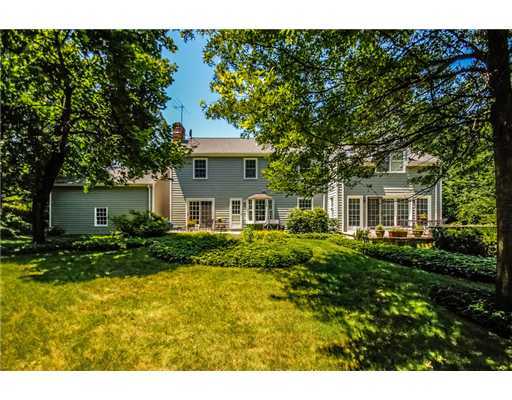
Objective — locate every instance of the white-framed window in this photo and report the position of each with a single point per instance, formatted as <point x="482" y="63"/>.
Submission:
<point x="200" y="168"/>
<point x="355" y="211"/>
<point x="388" y="212"/>
<point x="250" y="168"/>
<point x="423" y="209"/>
<point x="395" y="162"/>
<point x="259" y="211"/>
<point x="101" y="216"/>
<point x="331" y="207"/>
<point x="373" y="205"/>
<point x="305" y="203"/>
<point x="402" y="212"/>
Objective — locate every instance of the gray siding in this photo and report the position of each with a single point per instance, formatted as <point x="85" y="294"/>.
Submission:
<point x="73" y="209"/>
<point x="225" y="181"/>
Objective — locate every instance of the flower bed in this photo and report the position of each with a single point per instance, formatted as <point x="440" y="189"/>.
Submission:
<point x="469" y="267"/>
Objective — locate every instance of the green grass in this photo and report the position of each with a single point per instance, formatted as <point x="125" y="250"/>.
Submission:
<point x="126" y="311"/>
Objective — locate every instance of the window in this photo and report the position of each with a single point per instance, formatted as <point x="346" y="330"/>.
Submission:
<point x="422" y="211"/>
<point x="388" y="212"/>
<point x="331" y="207"/>
<point x="101" y="216"/>
<point x="354" y="211"/>
<point x="259" y="208"/>
<point x="250" y="168"/>
<point x="200" y="212"/>
<point x="373" y="211"/>
<point x="200" y="168"/>
<point x="402" y="211"/>
<point x="395" y="162"/>
<point x="304" y="204"/>
<point x="235" y="207"/>
<point x="250" y="210"/>
<point x="270" y="209"/>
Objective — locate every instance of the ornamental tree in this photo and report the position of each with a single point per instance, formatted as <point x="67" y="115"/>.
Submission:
<point x="327" y="101"/>
<point x="76" y="103"/>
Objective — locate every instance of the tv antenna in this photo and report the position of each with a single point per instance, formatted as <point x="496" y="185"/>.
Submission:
<point x="179" y="106"/>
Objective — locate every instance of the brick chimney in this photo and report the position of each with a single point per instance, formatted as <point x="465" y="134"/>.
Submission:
<point x="178" y="132"/>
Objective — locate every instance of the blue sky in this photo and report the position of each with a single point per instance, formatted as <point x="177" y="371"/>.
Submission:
<point x="190" y="86"/>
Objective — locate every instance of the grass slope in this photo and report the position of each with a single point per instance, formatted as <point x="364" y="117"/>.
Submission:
<point x="126" y="311"/>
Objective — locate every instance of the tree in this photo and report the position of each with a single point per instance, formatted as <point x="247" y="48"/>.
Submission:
<point x="328" y="101"/>
<point x="76" y="103"/>
<point x="469" y="195"/>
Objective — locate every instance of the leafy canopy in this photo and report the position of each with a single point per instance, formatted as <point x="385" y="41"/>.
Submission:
<point x="91" y="98"/>
<point x="327" y="101"/>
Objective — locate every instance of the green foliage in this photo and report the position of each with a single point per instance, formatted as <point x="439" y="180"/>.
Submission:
<point x="304" y="221"/>
<point x="7" y="233"/>
<point x="439" y="261"/>
<point x="475" y="304"/>
<point x="258" y="254"/>
<point x="477" y="241"/>
<point x="141" y="224"/>
<point x="270" y="236"/>
<point x="362" y="235"/>
<point x="248" y="233"/>
<point x="469" y="191"/>
<point x="181" y="248"/>
<point x="16" y="223"/>
<point x="94" y="243"/>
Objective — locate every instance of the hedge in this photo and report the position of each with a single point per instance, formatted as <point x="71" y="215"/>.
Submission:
<point x="141" y="224"/>
<point x="256" y="255"/>
<point x="100" y="243"/>
<point x="303" y="221"/>
<point x="476" y="241"/>
<point x="443" y="262"/>
<point x="180" y="248"/>
<point x="475" y="304"/>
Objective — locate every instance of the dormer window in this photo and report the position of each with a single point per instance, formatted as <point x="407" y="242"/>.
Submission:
<point x="250" y="168"/>
<point x="395" y="162"/>
<point x="200" y="168"/>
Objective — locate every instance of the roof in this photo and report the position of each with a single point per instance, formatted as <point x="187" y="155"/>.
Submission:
<point x="226" y="146"/>
<point x="114" y="172"/>
<point x="421" y="160"/>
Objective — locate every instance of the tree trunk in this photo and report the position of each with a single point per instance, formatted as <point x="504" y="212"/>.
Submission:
<point x="39" y="204"/>
<point x="501" y="118"/>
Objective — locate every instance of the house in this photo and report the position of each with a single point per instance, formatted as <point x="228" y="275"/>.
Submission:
<point x="221" y="184"/>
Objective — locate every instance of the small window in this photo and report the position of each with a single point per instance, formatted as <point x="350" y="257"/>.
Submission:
<point x="250" y="168"/>
<point x="101" y="216"/>
<point x="200" y="168"/>
<point x="397" y="162"/>
<point x="304" y="204"/>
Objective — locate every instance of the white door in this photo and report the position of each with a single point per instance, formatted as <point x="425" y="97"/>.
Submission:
<point x="235" y="213"/>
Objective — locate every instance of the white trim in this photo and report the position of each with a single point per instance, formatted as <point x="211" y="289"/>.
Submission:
<point x="153" y="201"/>
<point x="231" y="210"/>
<point x="373" y="196"/>
<point x="342" y="206"/>
<point x="194" y="168"/>
<point x="170" y="193"/>
<point x="429" y="206"/>
<point x="305" y="198"/>
<point x="267" y="217"/>
<point x="441" y="201"/>
<point x="149" y="197"/>
<point x="95" y="217"/>
<point x="361" y="205"/>
<point x="50" y="211"/>
<point x="247" y="159"/>
<point x="212" y="199"/>
<point x="435" y="202"/>
<point x="404" y="164"/>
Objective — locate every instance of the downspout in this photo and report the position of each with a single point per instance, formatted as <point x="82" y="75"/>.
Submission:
<point x="149" y="197"/>
<point x="153" y="197"/>
<point x="441" y="200"/>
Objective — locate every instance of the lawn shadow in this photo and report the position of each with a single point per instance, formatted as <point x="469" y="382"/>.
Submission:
<point x="79" y="267"/>
<point x="387" y="319"/>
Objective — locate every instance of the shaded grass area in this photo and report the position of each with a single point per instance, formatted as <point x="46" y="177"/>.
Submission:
<point x="126" y="310"/>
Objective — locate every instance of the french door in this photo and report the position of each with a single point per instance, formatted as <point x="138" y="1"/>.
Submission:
<point x="201" y="212"/>
<point x="235" y="213"/>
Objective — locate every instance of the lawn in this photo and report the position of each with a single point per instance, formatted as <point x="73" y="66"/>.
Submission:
<point x="128" y="311"/>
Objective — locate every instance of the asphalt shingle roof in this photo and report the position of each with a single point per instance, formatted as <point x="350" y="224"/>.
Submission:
<point x="226" y="146"/>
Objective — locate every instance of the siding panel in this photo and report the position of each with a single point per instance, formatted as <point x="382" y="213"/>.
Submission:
<point x="74" y="210"/>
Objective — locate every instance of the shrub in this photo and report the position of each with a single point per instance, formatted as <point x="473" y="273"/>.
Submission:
<point x="256" y="255"/>
<point x="94" y="243"/>
<point x="56" y="230"/>
<point x="141" y="224"/>
<point x="180" y="248"/>
<point x="248" y="233"/>
<point x="271" y="236"/>
<point x="475" y="304"/>
<point x="16" y="223"/>
<point x="333" y="225"/>
<point x="304" y="221"/>
<point x="439" y="261"/>
<point x="466" y="240"/>
<point x="362" y="235"/>
<point x="7" y="233"/>
<point x="313" y="235"/>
